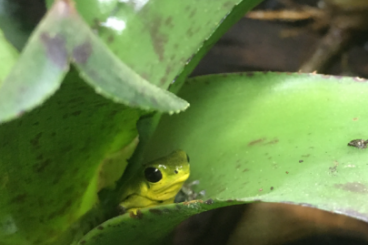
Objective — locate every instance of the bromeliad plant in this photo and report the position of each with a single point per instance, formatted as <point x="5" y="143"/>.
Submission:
<point x="70" y="102"/>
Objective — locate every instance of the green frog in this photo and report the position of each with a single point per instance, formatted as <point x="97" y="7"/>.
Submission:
<point x="157" y="183"/>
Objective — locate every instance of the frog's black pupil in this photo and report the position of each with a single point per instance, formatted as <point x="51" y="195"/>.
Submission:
<point x="188" y="158"/>
<point x="153" y="175"/>
<point x="176" y="171"/>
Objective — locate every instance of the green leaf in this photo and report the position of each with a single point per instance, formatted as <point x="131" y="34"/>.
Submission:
<point x="50" y="160"/>
<point x="157" y="38"/>
<point x="260" y="137"/>
<point x="275" y="138"/>
<point x="8" y="56"/>
<point x="45" y="61"/>
<point x="51" y="155"/>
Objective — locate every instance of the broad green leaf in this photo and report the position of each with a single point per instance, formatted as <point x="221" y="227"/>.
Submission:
<point x="262" y="137"/>
<point x="47" y="56"/>
<point x="50" y="161"/>
<point x="8" y="55"/>
<point x="158" y="38"/>
<point x="87" y="132"/>
<point x="148" y="35"/>
<point x="275" y="138"/>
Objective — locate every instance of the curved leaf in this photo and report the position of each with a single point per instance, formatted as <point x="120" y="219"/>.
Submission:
<point x="157" y="38"/>
<point x="50" y="160"/>
<point x="260" y="137"/>
<point x="274" y="137"/>
<point x="8" y="55"/>
<point x="45" y="61"/>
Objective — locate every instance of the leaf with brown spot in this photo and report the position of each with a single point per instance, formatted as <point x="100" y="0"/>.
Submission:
<point x="247" y="117"/>
<point x="63" y="37"/>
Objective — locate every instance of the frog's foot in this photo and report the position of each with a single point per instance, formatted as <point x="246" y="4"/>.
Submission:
<point x="133" y="210"/>
<point x="122" y="210"/>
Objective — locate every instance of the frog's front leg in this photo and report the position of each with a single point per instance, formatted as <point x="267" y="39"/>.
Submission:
<point x="135" y="202"/>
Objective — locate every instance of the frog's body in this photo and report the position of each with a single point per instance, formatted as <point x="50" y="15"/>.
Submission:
<point x="157" y="183"/>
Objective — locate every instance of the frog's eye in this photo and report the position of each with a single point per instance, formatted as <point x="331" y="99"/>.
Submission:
<point x="188" y="160"/>
<point x="152" y="175"/>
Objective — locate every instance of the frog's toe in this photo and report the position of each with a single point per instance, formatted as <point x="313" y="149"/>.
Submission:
<point x="133" y="210"/>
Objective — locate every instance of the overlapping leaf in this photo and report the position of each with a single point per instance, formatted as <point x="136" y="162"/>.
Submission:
<point x="51" y="156"/>
<point x="63" y="37"/>
<point x="262" y="137"/>
<point x="8" y="55"/>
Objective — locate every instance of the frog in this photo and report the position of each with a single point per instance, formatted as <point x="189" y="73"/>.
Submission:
<point x="157" y="182"/>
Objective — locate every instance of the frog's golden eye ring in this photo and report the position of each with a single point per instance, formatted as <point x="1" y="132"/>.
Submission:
<point x="188" y="160"/>
<point x="152" y="174"/>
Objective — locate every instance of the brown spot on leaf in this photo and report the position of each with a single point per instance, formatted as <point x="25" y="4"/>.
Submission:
<point x="62" y="210"/>
<point x="76" y="113"/>
<point x="192" y="13"/>
<point x="82" y="52"/>
<point x="271" y="188"/>
<point x="55" y="49"/>
<point x="168" y="22"/>
<point x="168" y="70"/>
<point x="301" y="161"/>
<point x="19" y="198"/>
<point x="155" y="211"/>
<point x="190" y="32"/>
<point x="274" y="141"/>
<point x="355" y="119"/>
<point x="41" y="166"/>
<point x="353" y="187"/>
<point x="255" y="142"/>
<point x="110" y="39"/>
<point x="100" y="227"/>
<point x="245" y="170"/>
<point x="39" y="157"/>
<point x="334" y="168"/>
<point x="35" y="141"/>
<point x="96" y="23"/>
<point x="159" y="39"/>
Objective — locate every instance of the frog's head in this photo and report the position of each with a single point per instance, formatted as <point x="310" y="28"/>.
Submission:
<point x="165" y="176"/>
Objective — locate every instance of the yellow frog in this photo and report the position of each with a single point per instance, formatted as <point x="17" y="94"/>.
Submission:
<point x="157" y="183"/>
